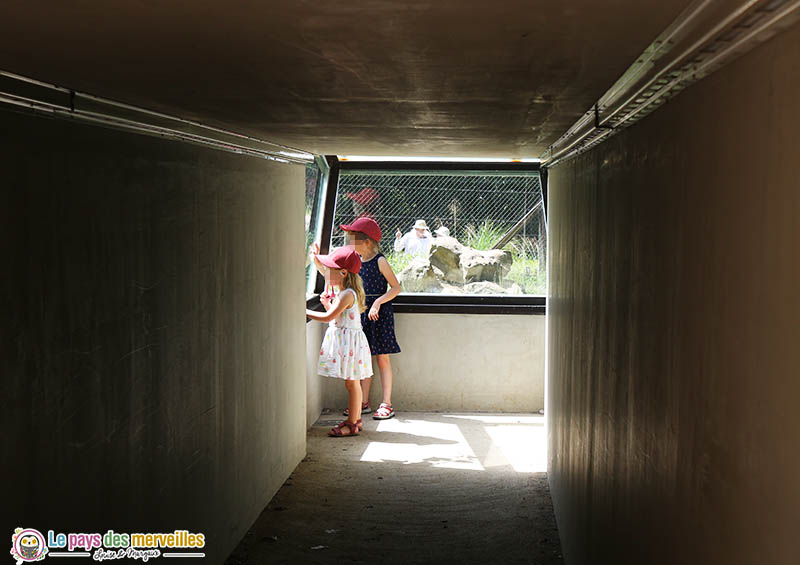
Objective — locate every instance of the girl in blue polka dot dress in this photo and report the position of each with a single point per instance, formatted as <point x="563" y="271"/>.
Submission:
<point x="381" y="286"/>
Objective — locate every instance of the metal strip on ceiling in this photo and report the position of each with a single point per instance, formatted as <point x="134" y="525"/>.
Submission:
<point x="50" y="99"/>
<point x="708" y="35"/>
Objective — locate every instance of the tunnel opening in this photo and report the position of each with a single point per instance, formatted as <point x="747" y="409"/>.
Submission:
<point x="454" y="439"/>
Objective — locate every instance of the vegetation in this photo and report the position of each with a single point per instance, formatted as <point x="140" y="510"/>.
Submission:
<point x="527" y="267"/>
<point x="398" y="260"/>
<point x="527" y="270"/>
<point x="482" y="237"/>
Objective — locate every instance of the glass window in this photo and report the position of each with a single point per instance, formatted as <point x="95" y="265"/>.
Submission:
<point x="452" y="232"/>
<point x="316" y="175"/>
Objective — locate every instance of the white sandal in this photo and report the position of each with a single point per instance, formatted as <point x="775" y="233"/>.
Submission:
<point x="384" y="412"/>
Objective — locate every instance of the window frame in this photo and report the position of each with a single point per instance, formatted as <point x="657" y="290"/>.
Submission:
<point x="317" y="215"/>
<point x="430" y="303"/>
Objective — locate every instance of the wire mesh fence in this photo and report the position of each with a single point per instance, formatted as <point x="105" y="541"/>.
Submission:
<point x="480" y="209"/>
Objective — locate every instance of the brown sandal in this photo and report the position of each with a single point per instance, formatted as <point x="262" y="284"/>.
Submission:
<point x="365" y="409"/>
<point x="354" y="428"/>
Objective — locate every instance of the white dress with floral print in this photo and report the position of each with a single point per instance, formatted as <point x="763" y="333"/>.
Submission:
<point x="345" y="352"/>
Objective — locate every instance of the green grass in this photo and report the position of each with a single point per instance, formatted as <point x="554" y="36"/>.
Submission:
<point x="482" y="237"/>
<point x="527" y="270"/>
<point x="398" y="260"/>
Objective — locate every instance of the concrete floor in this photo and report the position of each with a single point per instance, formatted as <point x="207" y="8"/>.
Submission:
<point x="420" y="488"/>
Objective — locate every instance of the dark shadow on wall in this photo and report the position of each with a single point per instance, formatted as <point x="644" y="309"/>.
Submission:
<point x="148" y="341"/>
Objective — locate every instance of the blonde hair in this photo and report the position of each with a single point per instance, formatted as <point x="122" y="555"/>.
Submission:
<point x="353" y="281"/>
<point x="376" y="246"/>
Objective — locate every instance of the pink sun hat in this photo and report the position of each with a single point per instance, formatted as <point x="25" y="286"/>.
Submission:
<point x="342" y="258"/>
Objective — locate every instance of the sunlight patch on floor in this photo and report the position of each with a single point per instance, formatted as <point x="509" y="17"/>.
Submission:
<point x="523" y="447"/>
<point x="498" y="419"/>
<point x="486" y="441"/>
<point x="455" y="454"/>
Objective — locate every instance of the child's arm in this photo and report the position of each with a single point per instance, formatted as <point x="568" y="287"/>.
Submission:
<point x="394" y="288"/>
<point x="344" y="301"/>
<point x="324" y="298"/>
<point x="313" y="252"/>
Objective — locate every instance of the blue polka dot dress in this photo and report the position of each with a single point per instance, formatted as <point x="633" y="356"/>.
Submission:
<point x="380" y="333"/>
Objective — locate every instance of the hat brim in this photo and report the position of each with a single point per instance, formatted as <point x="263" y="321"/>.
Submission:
<point x="328" y="262"/>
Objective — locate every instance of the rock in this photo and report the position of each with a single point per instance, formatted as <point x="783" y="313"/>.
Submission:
<point x="484" y="287"/>
<point x="490" y="265"/>
<point x="461" y="264"/>
<point x="448" y="288"/>
<point x="514" y="289"/>
<point x="450" y="265"/>
<point x="421" y="276"/>
<point x="445" y="255"/>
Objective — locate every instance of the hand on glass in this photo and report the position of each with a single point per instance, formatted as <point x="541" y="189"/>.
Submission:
<point x="374" y="312"/>
<point x="313" y="250"/>
<point x="325" y="299"/>
<point x="399" y="234"/>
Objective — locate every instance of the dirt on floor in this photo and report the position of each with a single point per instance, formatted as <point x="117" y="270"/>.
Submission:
<point x="420" y="488"/>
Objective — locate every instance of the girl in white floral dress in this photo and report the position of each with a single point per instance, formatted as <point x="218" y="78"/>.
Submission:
<point x="345" y="351"/>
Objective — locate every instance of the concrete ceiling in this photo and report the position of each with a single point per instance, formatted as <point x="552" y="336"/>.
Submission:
<point x="376" y="77"/>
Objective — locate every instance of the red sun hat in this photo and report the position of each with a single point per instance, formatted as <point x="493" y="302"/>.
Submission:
<point x="367" y="226"/>
<point x="342" y="258"/>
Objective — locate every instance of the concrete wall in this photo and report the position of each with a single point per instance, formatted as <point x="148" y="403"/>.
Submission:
<point x="459" y="362"/>
<point x="674" y="328"/>
<point x="152" y="332"/>
<point x="314" y="405"/>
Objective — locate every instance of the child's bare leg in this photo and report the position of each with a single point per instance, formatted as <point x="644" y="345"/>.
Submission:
<point x="365" y="384"/>
<point x="354" y="390"/>
<point x="351" y="425"/>
<point x="385" y="368"/>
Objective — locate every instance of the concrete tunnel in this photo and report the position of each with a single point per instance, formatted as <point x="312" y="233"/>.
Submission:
<point x="158" y="374"/>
